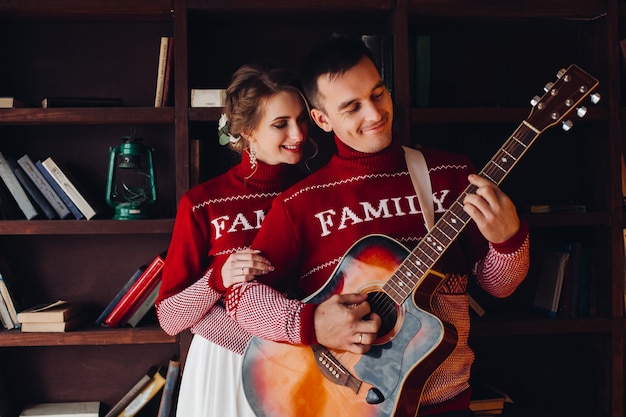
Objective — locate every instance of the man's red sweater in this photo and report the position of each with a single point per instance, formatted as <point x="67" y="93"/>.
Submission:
<point x="311" y="226"/>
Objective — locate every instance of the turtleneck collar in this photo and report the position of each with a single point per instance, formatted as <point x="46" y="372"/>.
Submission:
<point x="390" y="158"/>
<point x="264" y="176"/>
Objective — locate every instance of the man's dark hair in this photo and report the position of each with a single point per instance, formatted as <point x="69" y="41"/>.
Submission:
<point x="334" y="57"/>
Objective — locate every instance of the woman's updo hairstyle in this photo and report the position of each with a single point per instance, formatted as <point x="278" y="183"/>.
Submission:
<point x="250" y="86"/>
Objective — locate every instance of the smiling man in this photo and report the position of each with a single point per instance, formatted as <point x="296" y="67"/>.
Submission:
<point x="365" y="189"/>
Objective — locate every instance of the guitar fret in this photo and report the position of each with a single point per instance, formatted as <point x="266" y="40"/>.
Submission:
<point x="497" y="165"/>
<point x="519" y="141"/>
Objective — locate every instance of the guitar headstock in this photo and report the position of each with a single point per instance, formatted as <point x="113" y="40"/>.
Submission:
<point x="562" y="97"/>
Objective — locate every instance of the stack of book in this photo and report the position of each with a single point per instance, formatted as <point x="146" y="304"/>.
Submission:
<point x="59" y="316"/>
<point x="136" y="297"/>
<point x="41" y="189"/>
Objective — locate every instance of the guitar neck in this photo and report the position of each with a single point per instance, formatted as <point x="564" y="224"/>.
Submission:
<point x="432" y="246"/>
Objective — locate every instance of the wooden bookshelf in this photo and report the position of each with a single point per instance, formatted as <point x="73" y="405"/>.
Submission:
<point x="487" y="61"/>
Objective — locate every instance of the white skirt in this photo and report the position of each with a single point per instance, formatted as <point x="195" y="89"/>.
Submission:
<point x="211" y="383"/>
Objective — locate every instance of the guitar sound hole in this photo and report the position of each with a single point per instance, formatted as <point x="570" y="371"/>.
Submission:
<point x="385" y="307"/>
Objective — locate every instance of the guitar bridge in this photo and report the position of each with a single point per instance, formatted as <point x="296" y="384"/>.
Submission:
<point x="333" y="370"/>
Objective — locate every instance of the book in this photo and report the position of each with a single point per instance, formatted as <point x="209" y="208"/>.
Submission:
<point x="550" y="283"/>
<point x="107" y="310"/>
<point x="144" y="308"/>
<point x="488" y="400"/>
<point x="55" y="312"/>
<point x="208" y="97"/>
<point x="31" y="189"/>
<point x="10" y="290"/>
<point x="381" y="49"/>
<point x="160" y="79"/>
<point x="53" y="326"/>
<point x="16" y="190"/>
<point x="145" y="395"/>
<point x="62" y="179"/>
<point x="171" y="384"/>
<point x="132" y="393"/>
<point x="10" y="103"/>
<point x="169" y="69"/>
<point x="137" y="293"/>
<point x="64" y="409"/>
<point x="54" y="102"/>
<point x="9" y="302"/>
<point x="5" y="316"/>
<point x="44" y="186"/>
<point x="62" y="194"/>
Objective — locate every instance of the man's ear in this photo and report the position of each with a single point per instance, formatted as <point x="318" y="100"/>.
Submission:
<point x="321" y="120"/>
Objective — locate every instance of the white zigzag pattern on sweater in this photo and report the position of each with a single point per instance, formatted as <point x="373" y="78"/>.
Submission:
<point x="442" y="167"/>
<point x="346" y="181"/>
<point x="233" y="198"/>
<point x="229" y="251"/>
<point x="320" y="267"/>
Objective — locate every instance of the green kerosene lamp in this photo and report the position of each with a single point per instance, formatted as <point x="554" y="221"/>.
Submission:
<point x="131" y="185"/>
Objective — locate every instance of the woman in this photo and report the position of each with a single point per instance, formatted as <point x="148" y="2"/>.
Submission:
<point x="266" y="121"/>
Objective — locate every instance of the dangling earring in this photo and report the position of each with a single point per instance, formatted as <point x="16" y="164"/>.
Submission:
<point x="252" y="156"/>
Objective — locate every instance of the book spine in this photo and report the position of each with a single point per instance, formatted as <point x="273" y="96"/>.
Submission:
<point x="70" y="189"/>
<point x="158" y="98"/>
<point x="131" y="394"/>
<point x="146" y="394"/>
<point x="120" y="294"/>
<point x="150" y="275"/>
<point x="167" y="83"/>
<point x="8" y="300"/>
<point x="5" y="316"/>
<point x="34" y="192"/>
<point x="171" y="380"/>
<point x="56" y="102"/>
<point x="136" y="316"/>
<point x="16" y="189"/>
<point x="66" y="199"/>
<point x="44" y="187"/>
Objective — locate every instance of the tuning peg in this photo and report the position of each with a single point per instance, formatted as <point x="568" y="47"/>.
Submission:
<point x="548" y="87"/>
<point x="561" y="72"/>
<point x="595" y="98"/>
<point x="535" y="100"/>
<point x="567" y="125"/>
<point x="581" y="111"/>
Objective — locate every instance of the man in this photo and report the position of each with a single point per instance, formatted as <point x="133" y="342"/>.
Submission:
<point x="366" y="189"/>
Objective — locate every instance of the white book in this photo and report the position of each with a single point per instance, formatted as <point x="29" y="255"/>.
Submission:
<point x="67" y="409"/>
<point x="160" y="81"/>
<point x="70" y="189"/>
<point x="16" y="190"/>
<point x="42" y="184"/>
<point x="8" y="300"/>
<point x="5" y="317"/>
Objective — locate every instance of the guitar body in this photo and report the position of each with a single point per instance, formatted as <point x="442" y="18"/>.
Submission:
<point x="283" y="380"/>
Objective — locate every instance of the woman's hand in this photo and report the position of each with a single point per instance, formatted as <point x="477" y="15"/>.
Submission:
<point x="244" y="265"/>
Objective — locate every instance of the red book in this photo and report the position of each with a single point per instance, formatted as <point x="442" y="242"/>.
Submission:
<point x="140" y="290"/>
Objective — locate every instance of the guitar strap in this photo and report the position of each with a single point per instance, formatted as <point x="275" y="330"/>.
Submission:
<point x="418" y="170"/>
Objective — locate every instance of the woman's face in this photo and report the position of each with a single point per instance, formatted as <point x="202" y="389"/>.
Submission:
<point x="279" y="137"/>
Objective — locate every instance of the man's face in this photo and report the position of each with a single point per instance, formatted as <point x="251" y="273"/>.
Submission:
<point x="357" y="107"/>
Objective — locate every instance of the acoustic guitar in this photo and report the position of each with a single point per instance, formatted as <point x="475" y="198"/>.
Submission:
<point x="283" y="380"/>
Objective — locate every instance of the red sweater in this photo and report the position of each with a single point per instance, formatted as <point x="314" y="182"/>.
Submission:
<point x="215" y="219"/>
<point x="311" y="226"/>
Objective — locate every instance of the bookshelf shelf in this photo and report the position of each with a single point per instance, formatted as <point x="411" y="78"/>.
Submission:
<point x="91" y="337"/>
<point x="87" y="116"/>
<point x="85" y="227"/>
